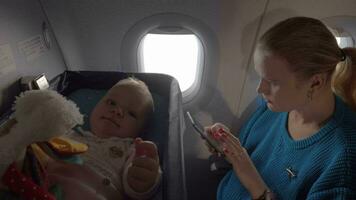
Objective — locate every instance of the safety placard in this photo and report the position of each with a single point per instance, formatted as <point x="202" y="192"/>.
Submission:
<point x="32" y="47"/>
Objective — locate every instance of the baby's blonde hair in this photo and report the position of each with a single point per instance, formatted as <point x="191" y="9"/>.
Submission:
<point x="310" y="48"/>
<point x="143" y="88"/>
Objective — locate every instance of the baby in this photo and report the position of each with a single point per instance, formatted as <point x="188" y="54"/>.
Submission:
<point x="117" y="165"/>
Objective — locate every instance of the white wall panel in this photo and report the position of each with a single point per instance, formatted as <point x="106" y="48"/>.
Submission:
<point x="239" y="23"/>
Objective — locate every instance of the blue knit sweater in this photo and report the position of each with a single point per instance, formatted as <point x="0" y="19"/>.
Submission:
<point x="324" y="164"/>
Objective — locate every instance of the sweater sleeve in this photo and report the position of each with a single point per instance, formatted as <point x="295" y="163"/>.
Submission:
<point x="339" y="193"/>
<point x="336" y="182"/>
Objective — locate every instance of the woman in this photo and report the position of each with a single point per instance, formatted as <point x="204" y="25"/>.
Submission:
<point x="301" y="143"/>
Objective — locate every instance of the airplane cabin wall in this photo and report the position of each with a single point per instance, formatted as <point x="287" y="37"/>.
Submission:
<point x="239" y="22"/>
<point x="22" y="48"/>
<point x="90" y="32"/>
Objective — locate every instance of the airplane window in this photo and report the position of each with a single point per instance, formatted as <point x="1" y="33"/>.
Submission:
<point x="178" y="55"/>
<point x="345" y="41"/>
<point x="343" y="38"/>
<point x="174" y="44"/>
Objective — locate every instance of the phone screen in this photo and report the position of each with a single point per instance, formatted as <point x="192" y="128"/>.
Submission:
<point x="200" y="129"/>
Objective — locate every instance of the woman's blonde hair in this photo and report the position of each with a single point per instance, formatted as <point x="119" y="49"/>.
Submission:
<point x="310" y="48"/>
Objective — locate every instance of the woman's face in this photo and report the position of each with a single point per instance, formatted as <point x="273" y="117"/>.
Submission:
<point x="278" y="84"/>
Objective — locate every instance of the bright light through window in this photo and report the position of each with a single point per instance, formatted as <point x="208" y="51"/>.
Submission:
<point x="176" y="55"/>
<point x="344" y="42"/>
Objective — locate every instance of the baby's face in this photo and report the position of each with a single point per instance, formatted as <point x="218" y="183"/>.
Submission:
<point x="120" y="113"/>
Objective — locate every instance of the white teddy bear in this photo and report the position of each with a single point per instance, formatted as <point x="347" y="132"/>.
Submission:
<point x="40" y="115"/>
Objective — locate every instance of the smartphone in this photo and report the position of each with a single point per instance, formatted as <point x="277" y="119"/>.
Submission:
<point x="203" y="134"/>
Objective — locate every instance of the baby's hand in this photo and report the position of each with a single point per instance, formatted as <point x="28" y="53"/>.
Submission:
<point x="143" y="173"/>
<point x="145" y="149"/>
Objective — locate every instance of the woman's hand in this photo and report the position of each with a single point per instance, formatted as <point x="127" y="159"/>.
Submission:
<point x="210" y="130"/>
<point x="237" y="155"/>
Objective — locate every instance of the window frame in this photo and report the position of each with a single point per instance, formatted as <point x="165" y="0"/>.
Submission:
<point x="192" y="90"/>
<point x="172" y="22"/>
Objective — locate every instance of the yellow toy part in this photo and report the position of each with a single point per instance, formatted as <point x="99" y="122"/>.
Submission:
<point x="66" y="146"/>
